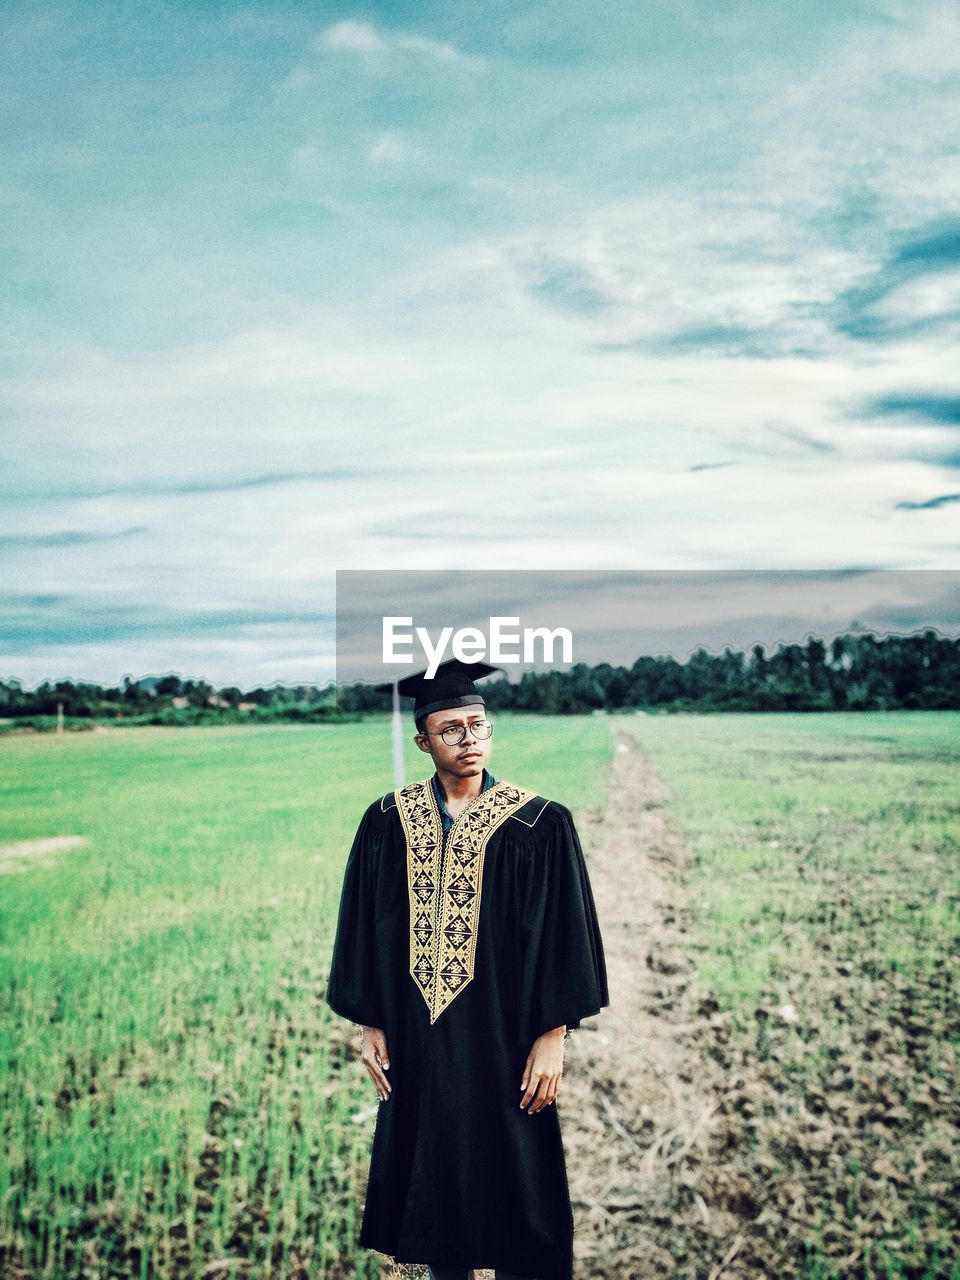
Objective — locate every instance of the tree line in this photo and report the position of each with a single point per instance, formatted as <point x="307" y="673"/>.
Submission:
<point x="854" y="672"/>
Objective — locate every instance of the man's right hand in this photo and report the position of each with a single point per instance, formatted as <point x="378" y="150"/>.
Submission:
<point x="376" y="1060"/>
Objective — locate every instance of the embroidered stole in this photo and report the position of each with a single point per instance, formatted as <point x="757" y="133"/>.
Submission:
<point x="445" y="885"/>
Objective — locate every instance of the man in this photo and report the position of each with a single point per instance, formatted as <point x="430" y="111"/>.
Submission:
<point x="467" y="946"/>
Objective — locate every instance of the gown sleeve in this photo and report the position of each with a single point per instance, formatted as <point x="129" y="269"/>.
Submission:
<point x="353" y="988"/>
<point x="564" y="977"/>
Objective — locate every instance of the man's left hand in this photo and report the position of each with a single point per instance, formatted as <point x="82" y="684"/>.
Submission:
<point x="541" y="1075"/>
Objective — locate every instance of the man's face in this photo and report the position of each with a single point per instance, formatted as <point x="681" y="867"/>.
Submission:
<point x="469" y="757"/>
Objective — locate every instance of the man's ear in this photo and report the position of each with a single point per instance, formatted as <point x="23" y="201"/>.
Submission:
<point x="423" y="742"/>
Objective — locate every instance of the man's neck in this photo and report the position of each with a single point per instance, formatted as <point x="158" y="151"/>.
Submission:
<point x="459" y="791"/>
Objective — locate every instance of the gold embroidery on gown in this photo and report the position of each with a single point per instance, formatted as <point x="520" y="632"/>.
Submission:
<point x="445" y="886"/>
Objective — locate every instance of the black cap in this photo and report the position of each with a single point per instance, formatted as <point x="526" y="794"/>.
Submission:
<point x="450" y="686"/>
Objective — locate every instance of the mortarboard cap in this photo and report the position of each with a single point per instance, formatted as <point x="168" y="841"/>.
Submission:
<point x="452" y="685"/>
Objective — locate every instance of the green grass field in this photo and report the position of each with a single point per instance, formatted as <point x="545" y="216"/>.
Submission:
<point x="825" y="886"/>
<point x="165" y="1060"/>
<point x="792" y="815"/>
<point x="177" y="1098"/>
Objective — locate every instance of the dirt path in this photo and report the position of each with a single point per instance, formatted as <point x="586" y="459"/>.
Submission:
<point x="639" y="1104"/>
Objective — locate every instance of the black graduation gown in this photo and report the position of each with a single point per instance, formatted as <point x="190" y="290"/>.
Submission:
<point x="464" y="952"/>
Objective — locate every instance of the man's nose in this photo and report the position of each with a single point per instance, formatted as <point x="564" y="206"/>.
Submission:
<point x="468" y="734"/>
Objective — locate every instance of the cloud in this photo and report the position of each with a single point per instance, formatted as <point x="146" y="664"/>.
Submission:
<point x="31" y="600"/>
<point x="727" y="340"/>
<point x="65" y="538"/>
<point x="145" y="486"/>
<point x="916" y="290"/>
<point x="351" y="36"/>
<point x="922" y="423"/>
<point x="268" y="359"/>
<point x="943" y="410"/>
<point x="936" y="250"/>
<point x="931" y="504"/>
<point x="569" y="287"/>
<point x="685" y="273"/>
<point x="356" y="37"/>
<point x="864" y="123"/>
<point x="83" y="620"/>
<point x="391" y="149"/>
<point x="803" y="439"/>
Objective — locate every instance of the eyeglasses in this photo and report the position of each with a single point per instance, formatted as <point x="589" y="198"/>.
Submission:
<point x="454" y="734"/>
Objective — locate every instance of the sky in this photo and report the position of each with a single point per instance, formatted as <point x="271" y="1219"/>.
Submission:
<point x="295" y="288"/>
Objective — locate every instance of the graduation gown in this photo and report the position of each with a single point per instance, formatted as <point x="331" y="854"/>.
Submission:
<point x="464" y="950"/>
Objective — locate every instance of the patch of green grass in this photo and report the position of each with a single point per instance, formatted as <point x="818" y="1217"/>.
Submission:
<point x="825" y="877"/>
<point x="173" y="1081"/>
<point x="796" y="816"/>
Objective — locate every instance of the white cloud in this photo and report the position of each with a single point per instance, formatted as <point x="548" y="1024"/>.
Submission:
<point x="869" y="118"/>
<point x="264" y="359"/>
<point x="357" y="37"/>
<point x="926" y="298"/>
<point x="351" y="36"/>
<point x="430" y="48"/>
<point x="394" y="149"/>
<point x="652" y="271"/>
